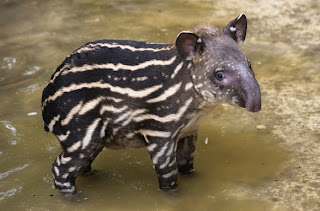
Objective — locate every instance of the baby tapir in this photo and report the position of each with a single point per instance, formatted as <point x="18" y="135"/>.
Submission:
<point x="119" y="93"/>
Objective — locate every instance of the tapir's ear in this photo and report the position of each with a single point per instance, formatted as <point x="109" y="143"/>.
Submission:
<point x="187" y="44"/>
<point x="237" y="29"/>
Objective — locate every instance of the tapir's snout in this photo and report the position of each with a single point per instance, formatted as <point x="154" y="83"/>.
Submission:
<point x="250" y="94"/>
<point x="254" y="104"/>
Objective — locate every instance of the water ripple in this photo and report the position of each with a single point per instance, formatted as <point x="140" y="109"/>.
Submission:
<point x="8" y="62"/>
<point x="30" y="89"/>
<point x="9" y="193"/>
<point x="5" y="174"/>
<point x="8" y="125"/>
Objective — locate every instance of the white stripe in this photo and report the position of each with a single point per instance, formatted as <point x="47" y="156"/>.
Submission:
<point x="120" y="66"/>
<point x="131" y="116"/>
<point x="168" y="118"/>
<point x="71" y="190"/>
<point x="53" y="122"/>
<point x="188" y="86"/>
<point x="71" y="114"/>
<point x="65" y="160"/>
<point x="155" y="133"/>
<point x="117" y="100"/>
<point x="130" y="135"/>
<point x="170" y="150"/>
<point x="65" y="184"/>
<point x="71" y="169"/>
<point x="66" y="66"/>
<point x="169" y="92"/>
<point x="107" y="108"/>
<point x="172" y="162"/>
<point x="151" y="147"/>
<point x="177" y="131"/>
<point x="63" y="137"/>
<point x="145" y="138"/>
<point x="170" y="174"/>
<point x="113" y="45"/>
<point x="125" y="91"/>
<point x="176" y="70"/>
<point x="90" y="105"/>
<point x="123" y="116"/>
<point x="58" y="161"/>
<point x="159" y="154"/>
<point x="56" y="170"/>
<point x="103" y="129"/>
<point x="91" y="47"/>
<point x="74" y="147"/>
<point x="65" y="176"/>
<point x="87" y="138"/>
<point x="83" y="109"/>
<point x="165" y="163"/>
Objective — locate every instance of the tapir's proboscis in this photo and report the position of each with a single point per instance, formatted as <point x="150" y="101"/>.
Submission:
<point x="127" y="94"/>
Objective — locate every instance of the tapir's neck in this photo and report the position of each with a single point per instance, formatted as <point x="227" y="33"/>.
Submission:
<point x="183" y="72"/>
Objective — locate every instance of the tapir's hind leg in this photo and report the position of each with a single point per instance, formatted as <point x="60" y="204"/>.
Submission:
<point x="74" y="160"/>
<point x="185" y="154"/>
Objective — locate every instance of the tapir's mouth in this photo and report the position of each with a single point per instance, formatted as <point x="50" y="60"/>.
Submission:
<point x="238" y="101"/>
<point x="248" y="104"/>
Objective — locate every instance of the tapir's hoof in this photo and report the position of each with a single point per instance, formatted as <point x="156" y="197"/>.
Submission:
<point x="65" y="188"/>
<point x="71" y="191"/>
<point x="89" y="173"/>
<point x="170" y="189"/>
<point x="68" y="192"/>
<point x="186" y="170"/>
<point x="86" y="171"/>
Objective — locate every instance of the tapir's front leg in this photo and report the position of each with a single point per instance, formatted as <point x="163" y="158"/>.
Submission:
<point x="185" y="154"/>
<point x="163" y="154"/>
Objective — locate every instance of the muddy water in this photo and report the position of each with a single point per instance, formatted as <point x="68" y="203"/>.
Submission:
<point x="243" y="161"/>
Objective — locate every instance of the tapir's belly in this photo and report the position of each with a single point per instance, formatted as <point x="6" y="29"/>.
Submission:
<point x="125" y="141"/>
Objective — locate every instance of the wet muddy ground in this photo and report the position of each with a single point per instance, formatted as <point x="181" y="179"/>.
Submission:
<point x="263" y="161"/>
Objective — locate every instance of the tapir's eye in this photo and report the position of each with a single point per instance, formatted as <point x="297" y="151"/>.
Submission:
<point x="220" y="75"/>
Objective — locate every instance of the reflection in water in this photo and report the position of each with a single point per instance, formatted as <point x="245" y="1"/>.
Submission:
<point x="239" y="156"/>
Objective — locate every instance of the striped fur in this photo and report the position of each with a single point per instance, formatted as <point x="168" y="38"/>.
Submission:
<point x="138" y="94"/>
<point x="118" y="94"/>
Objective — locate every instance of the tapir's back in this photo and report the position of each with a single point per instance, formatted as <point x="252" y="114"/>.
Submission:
<point x="123" y="70"/>
<point x="103" y="59"/>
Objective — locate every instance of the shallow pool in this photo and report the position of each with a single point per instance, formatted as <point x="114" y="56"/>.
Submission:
<point x="243" y="161"/>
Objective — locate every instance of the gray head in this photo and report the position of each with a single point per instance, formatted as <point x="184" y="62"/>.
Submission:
<point x="220" y="71"/>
